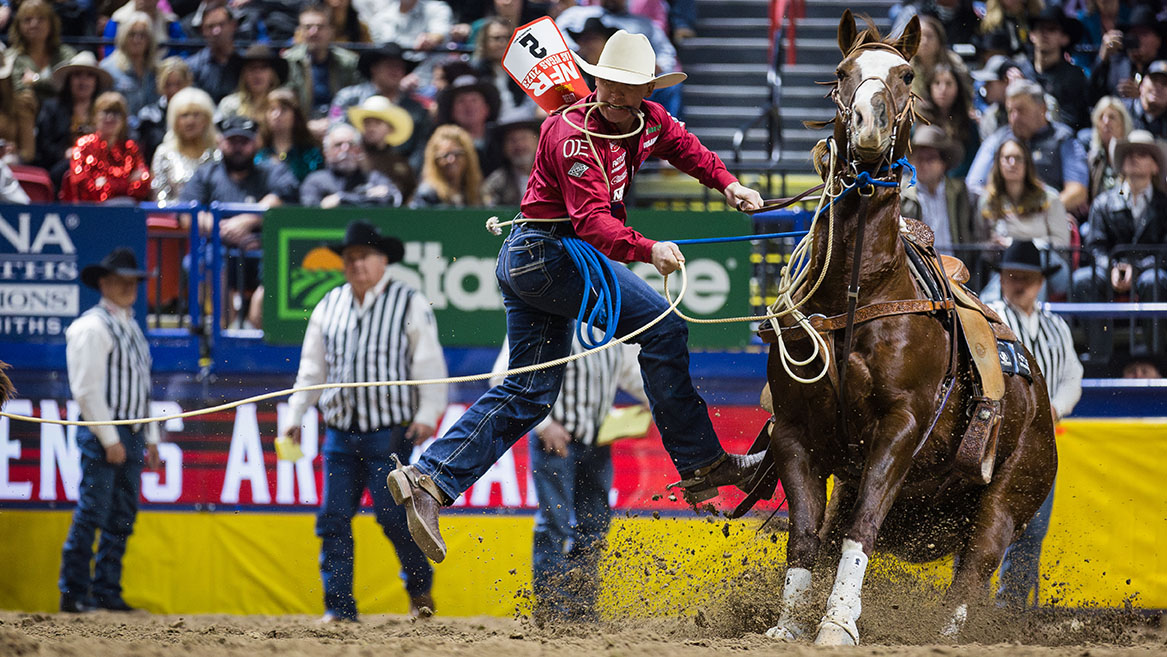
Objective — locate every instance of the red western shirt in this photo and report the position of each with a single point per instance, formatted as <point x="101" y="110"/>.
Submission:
<point x="566" y="180"/>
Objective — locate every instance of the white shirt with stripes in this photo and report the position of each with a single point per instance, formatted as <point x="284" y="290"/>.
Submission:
<point x="109" y="370"/>
<point x="1048" y="338"/>
<point x="589" y="387"/>
<point x="390" y="335"/>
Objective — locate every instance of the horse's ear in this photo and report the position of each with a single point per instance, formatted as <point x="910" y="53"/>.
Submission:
<point x="909" y="41"/>
<point x="846" y="32"/>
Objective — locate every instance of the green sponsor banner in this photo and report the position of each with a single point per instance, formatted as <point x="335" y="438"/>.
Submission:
<point x="450" y="257"/>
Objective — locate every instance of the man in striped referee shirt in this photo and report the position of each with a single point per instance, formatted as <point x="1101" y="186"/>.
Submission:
<point x="372" y="328"/>
<point x="573" y="476"/>
<point x="109" y="375"/>
<point x="1047" y="337"/>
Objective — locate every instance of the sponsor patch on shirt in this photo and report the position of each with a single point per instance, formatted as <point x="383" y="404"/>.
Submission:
<point x="577" y="170"/>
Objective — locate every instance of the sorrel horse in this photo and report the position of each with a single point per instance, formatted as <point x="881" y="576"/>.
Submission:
<point x="879" y="423"/>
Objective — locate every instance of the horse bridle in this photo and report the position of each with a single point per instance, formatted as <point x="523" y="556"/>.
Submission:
<point x="846" y="110"/>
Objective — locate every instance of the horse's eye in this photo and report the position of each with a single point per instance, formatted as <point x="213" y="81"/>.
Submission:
<point x="840" y="74"/>
<point x="908" y="77"/>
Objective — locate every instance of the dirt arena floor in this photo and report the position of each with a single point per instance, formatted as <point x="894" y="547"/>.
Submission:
<point x="141" y="634"/>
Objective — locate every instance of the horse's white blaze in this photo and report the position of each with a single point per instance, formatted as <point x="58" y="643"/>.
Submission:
<point x="844" y="605"/>
<point x="795" y="598"/>
<point x="871" y="126"/>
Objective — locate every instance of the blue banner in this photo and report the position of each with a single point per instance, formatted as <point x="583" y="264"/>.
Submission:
<point x="43" y="249"/>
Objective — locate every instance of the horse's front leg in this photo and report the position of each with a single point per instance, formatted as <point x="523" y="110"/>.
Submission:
<point x="883" y="474"/>
<point x="806" y="495"/>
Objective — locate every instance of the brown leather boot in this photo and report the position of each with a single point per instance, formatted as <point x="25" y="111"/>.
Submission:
<point x="730" y="470"/>
<point x="421" y="497"/>
<point x="421" y="605"/>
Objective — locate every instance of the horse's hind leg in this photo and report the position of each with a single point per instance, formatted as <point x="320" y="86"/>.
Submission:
<point x="806" y="495"/>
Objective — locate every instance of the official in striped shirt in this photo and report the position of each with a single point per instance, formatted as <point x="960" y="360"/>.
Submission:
<point x="572" y="476"/>
<point x="372" y="328"/>
<point x="1024" y="269"/>
<point x="109" y="376"/>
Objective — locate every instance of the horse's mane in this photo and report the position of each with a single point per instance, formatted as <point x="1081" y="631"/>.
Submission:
<point x="6" y="388"/>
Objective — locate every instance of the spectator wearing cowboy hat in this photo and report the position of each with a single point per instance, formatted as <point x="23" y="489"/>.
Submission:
<point x="109" y="377"/>
<point x="383" y="69"/>
<point x="1046" y="336"/>
<point x="940" y="201"/>
<point x="590" y="37"/>
<point x="372" y="323"/>
<point x="1132" y="213"/>
<point x="580" y="193"/>
<point x="517" y="141"/>
<point x="471" y="104"/>
<point x="1126" y="53"/>
<point x="384" y="127"/>
<point x="1053" y="35"/>
<point x="69" y="116"/>
<point x="263" y="72"/>
<point x="1149" y="111"/>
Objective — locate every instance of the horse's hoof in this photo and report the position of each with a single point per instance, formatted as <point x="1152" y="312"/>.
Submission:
<point x="786" y="631"/>
<point x="956" y="623"/>
<point x="837" y="633"/>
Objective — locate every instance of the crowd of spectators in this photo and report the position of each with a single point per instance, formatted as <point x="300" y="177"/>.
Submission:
<point x="1028" y="109"/>
<point x="1046" y="121"/>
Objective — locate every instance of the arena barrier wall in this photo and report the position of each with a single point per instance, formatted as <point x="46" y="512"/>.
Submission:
<point x="1106" y="545"/>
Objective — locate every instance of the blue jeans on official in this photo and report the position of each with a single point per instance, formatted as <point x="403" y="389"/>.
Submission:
<point x="570" y="526"/>
<point x="541" y="290"/>
<point x="353" y="462"/>
<point x="1021" y="567"/>
<point x="107" y="500"/>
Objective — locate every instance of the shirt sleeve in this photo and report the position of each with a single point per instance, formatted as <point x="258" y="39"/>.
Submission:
<point x="427" y="361"/>
<point x="313" y="368"/>
<point x="1069" y="383"/>
<point x="683" y="150"/>
<point x="87" y="346"/>
<point x="1075" y="166"/>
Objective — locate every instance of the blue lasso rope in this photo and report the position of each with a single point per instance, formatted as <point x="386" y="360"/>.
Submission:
<point x="591" y="263"/>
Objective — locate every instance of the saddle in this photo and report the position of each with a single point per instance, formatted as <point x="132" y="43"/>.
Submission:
<point x="992" y="347"/>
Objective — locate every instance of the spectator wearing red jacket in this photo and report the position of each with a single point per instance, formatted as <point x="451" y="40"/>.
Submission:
<point x="578" y="182"/>
<point x="107" y="164"/>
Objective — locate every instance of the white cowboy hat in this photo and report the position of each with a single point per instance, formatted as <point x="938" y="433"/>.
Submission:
<point x="1140" y="140"/>
<point x="380" y="107"/>
<point x="86" y="62"/>
<point x="629" y="58"/>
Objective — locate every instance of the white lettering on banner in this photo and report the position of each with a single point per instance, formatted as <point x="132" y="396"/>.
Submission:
<point x="502" y="473"/>
<point x="709" y="283"/>
<point x="10" y="450"/>
<point x="160" y="408"/>
<point x="574" y="148"/>
<point x="59" y="449"/>
<point x="38" y="300"/>
<point x="467" y="283"/>
<point x="153" y="489"/>
<point x="305" y="475"/>
<point x="245" y="460"/>
<point x="51" y="232"/>
<point x="31" y="325"/>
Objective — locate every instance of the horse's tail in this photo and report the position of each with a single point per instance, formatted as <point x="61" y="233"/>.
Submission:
<point x="7" y="390"/>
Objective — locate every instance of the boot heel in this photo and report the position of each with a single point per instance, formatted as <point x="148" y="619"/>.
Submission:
<point x="399" y="487"/>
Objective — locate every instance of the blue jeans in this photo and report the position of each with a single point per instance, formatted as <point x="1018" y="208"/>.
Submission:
<point x="570" y="526"/>
<point x="107" y="500"/>
<point x="1021" y="567"/>
<point x="541" y="290"/>
<point x="352" y="463"/>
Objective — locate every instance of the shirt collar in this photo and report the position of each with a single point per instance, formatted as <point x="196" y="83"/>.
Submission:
<point x="374" y="292"/>
<point x="1125" y="192"/>
<point x="119" y="313"/>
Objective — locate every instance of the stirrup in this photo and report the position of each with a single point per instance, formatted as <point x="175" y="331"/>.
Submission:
<point x="696" y="488"/>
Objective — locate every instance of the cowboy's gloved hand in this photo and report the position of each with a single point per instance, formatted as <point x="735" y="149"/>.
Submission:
<point x="741" y="197"/>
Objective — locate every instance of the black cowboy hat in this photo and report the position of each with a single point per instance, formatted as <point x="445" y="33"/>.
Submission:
<point x="467" y="84"/>
<point x="1071" y="27"/>
<point x="592" y="25"/>
<point x="261" y="53"/>
<point x="121" y="261"/>
<point x="363" y="233"/>
<point x="1143" y="16"/>
<point x="386" y="51"/>
<point x="1024" y="255"/>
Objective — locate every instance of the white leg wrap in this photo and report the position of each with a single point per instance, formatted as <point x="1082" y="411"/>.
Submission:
<point x="795" y="596"/>
<point x="956" y="623"/>
<point x="844" y="605"/>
